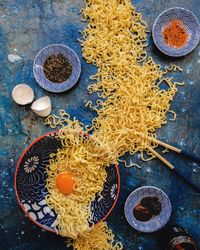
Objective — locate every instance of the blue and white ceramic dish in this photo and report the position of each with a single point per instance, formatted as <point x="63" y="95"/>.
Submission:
<point x="55" y="49"/>
<point x="30" y="180"/>
<point x="156" y="222"/>
<point x="191" y="24"/>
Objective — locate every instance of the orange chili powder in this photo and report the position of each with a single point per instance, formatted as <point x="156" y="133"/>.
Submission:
<point x="175" y="34"/>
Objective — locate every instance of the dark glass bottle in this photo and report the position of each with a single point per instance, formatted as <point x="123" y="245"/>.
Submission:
<point x="176" y="238"/>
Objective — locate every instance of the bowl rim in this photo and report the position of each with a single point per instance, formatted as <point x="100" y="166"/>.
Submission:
<point x="155" y="40"/>
<point x="138" y="189"/>
<point x="35" y="75"/>
<point x="16" y="192"/>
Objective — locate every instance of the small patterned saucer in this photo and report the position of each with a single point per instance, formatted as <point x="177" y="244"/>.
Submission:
<point x="157" y="222"/>
<point x="30" y="185"/>
<point x="191" y="24"/>
<point x="55" y="49"/>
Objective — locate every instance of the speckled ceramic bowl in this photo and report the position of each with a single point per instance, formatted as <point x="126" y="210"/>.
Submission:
<point x="30" y="181"/>
<point x="156" y="222"/>
<point x="55" y="49"/>
<point x="191" y="24"/>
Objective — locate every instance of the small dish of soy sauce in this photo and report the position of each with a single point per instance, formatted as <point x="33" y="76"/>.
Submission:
<point x="147" y="209"/>
<point x="57" y="68"/>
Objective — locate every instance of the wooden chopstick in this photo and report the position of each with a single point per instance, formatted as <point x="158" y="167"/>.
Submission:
<point x="177" y="150"/>
<point x="168" y="164"/>
<point x="175" y="171"/>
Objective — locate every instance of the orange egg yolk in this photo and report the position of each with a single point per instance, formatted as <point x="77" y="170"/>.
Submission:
<point x="65" y="183"/>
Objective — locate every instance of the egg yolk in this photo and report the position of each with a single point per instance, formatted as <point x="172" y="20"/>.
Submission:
<point x="65" y="183"/>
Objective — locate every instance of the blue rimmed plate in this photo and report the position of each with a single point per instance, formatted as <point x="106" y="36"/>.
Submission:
<point x="191" y="24"/>
<point x="30" y="181"/>
<point x="156" y="222"/>
<point x="55" y="49"/>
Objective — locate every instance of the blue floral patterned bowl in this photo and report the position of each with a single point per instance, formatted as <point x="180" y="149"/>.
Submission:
<point x="191" y="24"/>
<point x="30" y="180"/>
<point x="156" y="222"/>
<point x="55" y="49"/>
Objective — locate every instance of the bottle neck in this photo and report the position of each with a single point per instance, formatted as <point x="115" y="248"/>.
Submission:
<point x="174" y="243"/>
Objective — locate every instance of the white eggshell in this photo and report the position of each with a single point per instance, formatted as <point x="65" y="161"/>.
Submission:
<point x="14" y="58"/>
<point x="23" y="94"/>
<point x="42" y="106"/>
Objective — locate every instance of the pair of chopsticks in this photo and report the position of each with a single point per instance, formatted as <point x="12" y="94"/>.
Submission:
<point x="168" y="164"/>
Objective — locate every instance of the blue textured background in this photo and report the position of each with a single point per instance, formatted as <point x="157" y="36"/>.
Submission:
<point x="28" y="26"/>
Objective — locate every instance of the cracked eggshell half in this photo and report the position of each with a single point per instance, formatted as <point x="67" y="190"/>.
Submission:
<point x="23" y="94"/>
<point x="42" y="106"/>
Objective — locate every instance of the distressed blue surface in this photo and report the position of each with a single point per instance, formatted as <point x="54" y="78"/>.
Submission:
<point x="28" y="26"/>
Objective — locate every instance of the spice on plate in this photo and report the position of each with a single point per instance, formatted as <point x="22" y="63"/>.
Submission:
<point x="57" y="68"/>
<point x="175" y="34"/>
<point x="148" y="207"/>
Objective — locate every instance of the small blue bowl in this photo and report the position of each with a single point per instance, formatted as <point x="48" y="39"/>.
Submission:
<point x="191" y="24"/>
<point x="55" y="49"/>
<point x="156" y="222"/>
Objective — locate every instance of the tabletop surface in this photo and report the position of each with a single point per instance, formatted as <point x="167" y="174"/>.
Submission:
<point x="28" y="26"/>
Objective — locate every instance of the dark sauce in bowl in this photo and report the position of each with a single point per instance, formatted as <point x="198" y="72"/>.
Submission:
<point x="142" y="213"/>
<point x="148" y="207"/>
